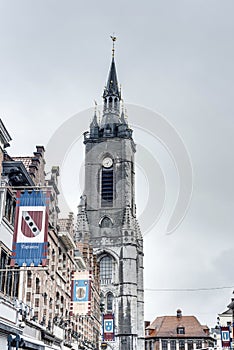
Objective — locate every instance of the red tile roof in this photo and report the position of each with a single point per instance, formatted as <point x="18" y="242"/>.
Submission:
<point x="166" y="326"/>
<point x="25" y="160"/>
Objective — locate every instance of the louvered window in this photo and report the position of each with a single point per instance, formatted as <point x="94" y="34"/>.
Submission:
<point x="107" y="187"/>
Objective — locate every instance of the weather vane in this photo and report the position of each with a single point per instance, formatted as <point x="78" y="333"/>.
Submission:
<point x="114" y="38"/>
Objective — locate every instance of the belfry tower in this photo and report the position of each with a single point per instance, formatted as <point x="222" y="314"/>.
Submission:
<point x="107" y="216"/>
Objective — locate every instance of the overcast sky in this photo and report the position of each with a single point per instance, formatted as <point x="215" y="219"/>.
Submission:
<point x="173" y="57"/>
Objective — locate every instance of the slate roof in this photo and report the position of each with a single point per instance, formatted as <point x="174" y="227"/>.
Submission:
<point x="112" y="88"/>
<point x="166" y="326"/>
<point x="227" y="312"/>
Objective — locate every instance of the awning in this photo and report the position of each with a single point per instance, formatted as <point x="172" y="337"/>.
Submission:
<point x="52" y="347"/>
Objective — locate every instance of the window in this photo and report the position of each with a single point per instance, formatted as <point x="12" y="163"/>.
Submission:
<point x="181" y="345"/>
<point x="106" y="270"/>
<point x="10" y="208"/>
<point x="107" y="187"/>
<point x="37" y="302"/>
<point x="9" y="280"/>
<point x="64" y="261"/>
<point x="164" y="344"/>
<point x="116" y="102"/>
<point x="29" y="279"/>
<point x="180" y="330"/>
<point x="198" y="344"/>
<point x="109" y="301"/>
<point x="37" y="286"/>
<point x="28" y="296"/>
<point x="3" y="263"/>
<point x="190" y="345"/>
<point x="53" y="255"/>
<point x="173" y="344"/>
<point x="106" y="222"/>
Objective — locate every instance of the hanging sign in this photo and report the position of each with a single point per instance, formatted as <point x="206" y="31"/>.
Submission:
<point x="108" y="327"/>
<point x="81" y="293"/>
<point x="225" y="337"/>
<point x="31" y="229"/>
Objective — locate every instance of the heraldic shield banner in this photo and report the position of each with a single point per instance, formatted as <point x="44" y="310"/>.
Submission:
<point x="31" y="228"/>
<point x="81" y="293"/>
<point x="108" y="327"/>
<point x="225" y="337"/>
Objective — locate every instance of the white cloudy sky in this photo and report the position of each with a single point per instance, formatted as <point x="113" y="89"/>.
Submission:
<point x="174" y="57"/>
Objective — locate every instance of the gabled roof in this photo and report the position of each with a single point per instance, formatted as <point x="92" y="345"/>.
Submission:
<point x="226" y="313"/>
<point x="166" y="326"/>
<point x="5" y="137"/>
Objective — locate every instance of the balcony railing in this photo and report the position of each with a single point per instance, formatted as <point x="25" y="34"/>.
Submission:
<point x="105" y="281"/>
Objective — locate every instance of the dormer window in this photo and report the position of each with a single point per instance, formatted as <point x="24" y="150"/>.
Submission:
<point x="180" y="330"/>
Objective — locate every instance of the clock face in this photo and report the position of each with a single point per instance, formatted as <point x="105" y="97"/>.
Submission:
<point x="107" y="162"/>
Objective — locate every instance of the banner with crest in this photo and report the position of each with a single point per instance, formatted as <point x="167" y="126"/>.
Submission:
<point x="81" y="293"/>
<point x="108" y="325"/>
<point x="31" y="228"/>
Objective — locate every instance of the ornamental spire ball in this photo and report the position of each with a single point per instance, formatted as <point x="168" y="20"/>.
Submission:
<point x="114" y="38"/>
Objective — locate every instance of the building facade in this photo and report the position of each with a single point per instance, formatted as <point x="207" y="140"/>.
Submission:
<point x="177" y="333"/>
<point x="35" y="301"/>
<point x="107" y="217"/>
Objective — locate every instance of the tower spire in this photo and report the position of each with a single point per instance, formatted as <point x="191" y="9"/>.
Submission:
<point x="112" y="88"/>
<point x="112" y="122"/>
<point x="111" y="94"/>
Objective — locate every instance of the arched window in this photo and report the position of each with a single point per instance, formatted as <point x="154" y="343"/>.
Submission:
<point x="106" y="270"/>
<point x="109" y="301"/>
<point x="106" y="222"/>
<point x="110" y="102"/>
<point x="116" y="102"/>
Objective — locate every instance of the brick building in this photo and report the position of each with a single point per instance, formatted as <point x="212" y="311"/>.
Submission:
<point x="35" y="301"/>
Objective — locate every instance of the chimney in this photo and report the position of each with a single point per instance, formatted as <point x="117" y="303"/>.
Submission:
<point x="179" y="313"/>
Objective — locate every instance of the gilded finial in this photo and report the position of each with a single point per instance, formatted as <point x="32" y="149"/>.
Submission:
<point x="113" y="38"/>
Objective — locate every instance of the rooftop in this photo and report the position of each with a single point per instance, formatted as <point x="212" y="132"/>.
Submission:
<point x="167" y="326"/>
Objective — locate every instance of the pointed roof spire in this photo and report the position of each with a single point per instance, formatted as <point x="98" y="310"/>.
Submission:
<point x="82" y="226"/>
<point x="112" y="88"/>
<point x="94" y="122"/>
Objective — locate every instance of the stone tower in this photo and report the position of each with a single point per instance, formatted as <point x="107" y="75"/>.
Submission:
<point x="107" y="216"/>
